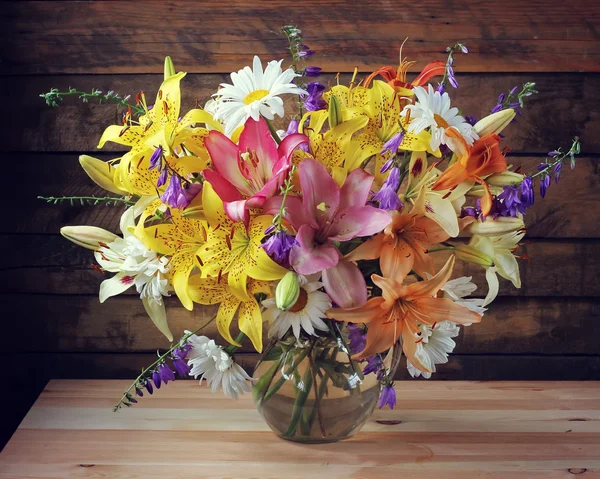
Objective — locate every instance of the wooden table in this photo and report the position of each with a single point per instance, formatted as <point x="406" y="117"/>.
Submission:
<point x="439" y="430"/>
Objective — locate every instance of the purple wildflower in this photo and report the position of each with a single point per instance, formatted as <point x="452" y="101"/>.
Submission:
<point x="312" y="71"/>
<point x="166" y="374"/>
<point x="440" y="89"/>
<point x="471" y="120"/>
<point x="156" y="158"/>
<point x="156" y="379"/>
<point x="357" y="338"/>
<point x="527" y="192"/>
<point x="162" y="179"/>
<point x="387" y="166"/>
<point x="497" y="108"/>
<point x="278" y="247"/>
<point x="501" y="98"/>
<point x="373" y="365"/>
<point x="557" y="169"/>
<point x="513" y="90"/>
<point x="392" y="144"/>
<point x="451" y="78"/>
<point x="544" y="184"/>
<point x="307" y="53"/>
<point x="464" y="49"/>
<point x="388" y="397"/>
<point x="173" y="195"/>
<point x="148" y="386"/>
<point x="510" y="204"/>
<point x="139" y="392"/>
<point x="181" y="367"/>
<point x="387" y="196"/>
<point x="314" y="101"/>
<point x="514" y="104"/>
<point x="182" y="351"/>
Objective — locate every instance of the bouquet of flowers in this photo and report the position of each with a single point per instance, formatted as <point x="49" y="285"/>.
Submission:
<point x="327" y="231"/>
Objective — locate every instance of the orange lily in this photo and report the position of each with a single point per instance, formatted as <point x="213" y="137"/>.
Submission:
<point x="481" y="159"/>
<point x="401" y="246"/>
<point x="396" y="78"/>
<point x="401" y="310"/>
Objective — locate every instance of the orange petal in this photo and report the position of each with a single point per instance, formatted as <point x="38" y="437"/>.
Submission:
<point x="444" y="309"/>
<point x="396" y="261"/>
<point x="435" y="68"/>
<point x="433" y="285"/>
<point x="389" y="73"/>
<point x="391" y="289"/>
<point x="366" y="313"/>
<point x="451" y="178"/>
<point x="370" y="249"/>
<point x="486" y="199"/>
<point x="381" y="335"/>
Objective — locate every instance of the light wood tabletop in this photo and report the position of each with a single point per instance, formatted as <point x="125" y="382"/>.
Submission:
<point x="439" y="429"/>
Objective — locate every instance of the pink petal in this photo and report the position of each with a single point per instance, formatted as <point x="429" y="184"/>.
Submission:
<point x="295" y="212"/>
<point x="271" y="187"/>
<point x="225" y="155"/>
<point x="356" y="189"/>
<point x="309" y="258"/>
<point x="345" y="284"/>
<point x="237" y="211"/>
<point x="290" y="143"/>
<point x="257" y="137"/>
<point x="320" y="193"/>
<point x="358" y="221"/>
<point x="223" y="188"/>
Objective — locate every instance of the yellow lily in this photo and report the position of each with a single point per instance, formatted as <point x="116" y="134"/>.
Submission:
<point x="497" y="254"/>
<point x="381" y="104"/>
<point x="209" y="291"/>
<point x="182" y="145"/>
<point x="233" y="250"/>
<point x="180" y="238"/>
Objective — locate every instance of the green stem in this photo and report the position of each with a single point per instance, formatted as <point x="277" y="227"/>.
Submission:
<point x="281" y="381"/>
<point x="53" y="98"/>
<point x="300" y="401"/>
<point x="88" y="199"/>
<point x="273" y="131"/>
<point x="447" y="248"/>
<point x="232" y="348"/>
<point x="317" y="398"/>
<point x="160" y="359"/>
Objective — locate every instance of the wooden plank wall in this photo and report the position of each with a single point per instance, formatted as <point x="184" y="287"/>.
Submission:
<point x="53" y="323"/>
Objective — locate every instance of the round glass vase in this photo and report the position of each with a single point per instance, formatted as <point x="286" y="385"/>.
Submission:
<point x="310" y="391"/>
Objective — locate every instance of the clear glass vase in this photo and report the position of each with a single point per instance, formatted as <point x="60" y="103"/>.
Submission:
<point x="310" y="390"/>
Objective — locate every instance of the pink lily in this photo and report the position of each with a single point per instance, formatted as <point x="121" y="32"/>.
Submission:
<point x="249" y="173"/>
<point x="325" y="214"/>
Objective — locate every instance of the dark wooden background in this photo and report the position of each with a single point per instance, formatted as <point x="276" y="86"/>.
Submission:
<point x="53" y="324"/>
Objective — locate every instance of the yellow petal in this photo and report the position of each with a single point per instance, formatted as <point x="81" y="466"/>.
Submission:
<point x="101" y="172"/>
<point x="225" y="315"/>
<point x="207" y="291"/>
<point x="250" y="323"/>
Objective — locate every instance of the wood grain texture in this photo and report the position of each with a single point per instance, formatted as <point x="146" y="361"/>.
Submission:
<point x="82" y="324"/>
<point x="551" y="118"/>
<point x="476" y="367"/>
<point x="557" y="216"/>
<point x="129" y="37"/>
<point x="460" y="429"/>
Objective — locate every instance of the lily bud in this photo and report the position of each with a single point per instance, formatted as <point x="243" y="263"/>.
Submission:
<point x="335" y="112"/>
<point x="169" y="67"/>
<point x="287" y="291"/>
<point x="89" y="237"/>
<point x="498" y="227"/>
<point x="504" y="178"/>
<point x="494" y="123"/>
<point x="100" y="172"/>
<point x="471" y="255"/>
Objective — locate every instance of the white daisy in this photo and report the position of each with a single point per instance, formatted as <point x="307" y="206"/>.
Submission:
<point x="457" y="290"/>
<point x="434" y="348"/>
<point x="306" y="314"/>
<point x="432" y="110"/>
<point x="211" y="362"/>
<point x="254" y="93"/>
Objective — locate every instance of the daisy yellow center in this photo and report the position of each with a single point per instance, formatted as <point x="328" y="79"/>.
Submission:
<point x="255" y="95"/>
<point x="440" y="121"/>
<point x="300" y="302"/>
